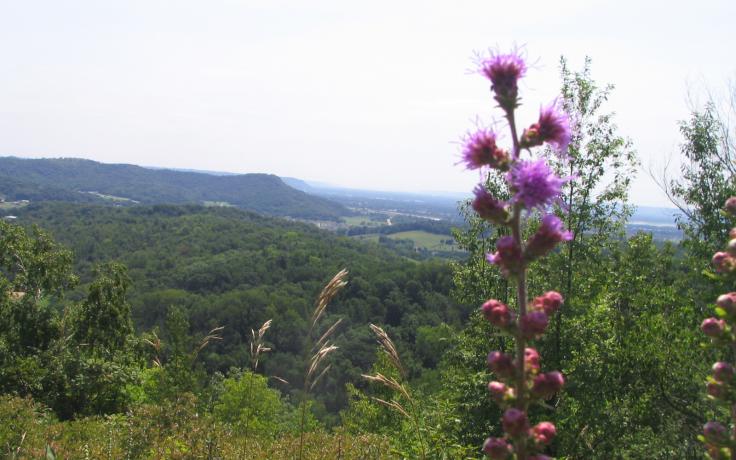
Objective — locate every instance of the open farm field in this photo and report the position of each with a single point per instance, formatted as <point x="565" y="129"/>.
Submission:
<point x="425" y="240"/>
<point x="7" y="205"/>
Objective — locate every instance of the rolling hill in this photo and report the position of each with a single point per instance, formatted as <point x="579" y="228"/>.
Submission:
<point x="78" y="180"/>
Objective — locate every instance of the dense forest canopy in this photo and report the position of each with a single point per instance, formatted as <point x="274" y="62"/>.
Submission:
<point x="226" y="267"/>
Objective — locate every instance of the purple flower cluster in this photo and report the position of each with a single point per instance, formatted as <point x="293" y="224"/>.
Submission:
<point x="488" y="207"/>
<point x="553" y="127"/>
<point x="504" y="72"/>
<point x="533" y="186"/>
<point x="481" y="151"/>
<point x="534" y="183"/>
<point x="508" y="256"/>
<point x="548" y="235"/>
<point x="720" y="443"/>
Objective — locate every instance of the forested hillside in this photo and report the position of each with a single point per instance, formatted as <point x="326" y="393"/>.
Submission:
<point x="226" y="267"/>
<point x="70" y="179"/>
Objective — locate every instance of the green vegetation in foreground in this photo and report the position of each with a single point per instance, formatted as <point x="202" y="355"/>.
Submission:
<point x="164" y="432"/>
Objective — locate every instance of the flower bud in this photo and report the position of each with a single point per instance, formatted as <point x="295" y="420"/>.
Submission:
<point x="713" y="327"/>
<point x="715" y="390"/>
<point x="531" y="359"/>
<point x="549" y="233"/>
<point x="552" y="127"/>
<point x="544" y="432"/>
<point x="727" y="302"/>
<point x="504" y="71"/>
<point x="496" y="448"/>
<point x="732" y="233"/>
<point x="723" y="262"/>
<point x="715" y="433"/>
<point x="546" y="385"/>
<point x="497" y="390"/>
<point x="488" y="207"/>
<point x="501" y="364"/>
<point x="496" y="313"/>
<point x="731" y="206"/>
<point x="515" y="422"/>
<point x="533" y="324"/>
<point x="549" y="302"/>
<point x="723" y="372"/>
<point x="507" y="256"/>
<point x="718" y="453"/>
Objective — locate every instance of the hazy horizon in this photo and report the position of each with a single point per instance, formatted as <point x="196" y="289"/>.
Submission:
<point x="322" y="184"/>
<point x="368" y="96"/>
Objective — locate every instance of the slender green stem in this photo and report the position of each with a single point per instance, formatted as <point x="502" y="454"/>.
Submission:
<point x="301" y="425"/>
<point x="248" y="407"/>
<point x="307" y="348"/>
<point x="415" y="419"/>
<point x="514" y="137"/>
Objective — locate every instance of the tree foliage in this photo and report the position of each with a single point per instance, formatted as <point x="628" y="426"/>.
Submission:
<point x="708" y="178"/>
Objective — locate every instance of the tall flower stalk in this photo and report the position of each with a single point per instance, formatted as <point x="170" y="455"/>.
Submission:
<point x="534" y="188"/>
<point x="720" y="442"/>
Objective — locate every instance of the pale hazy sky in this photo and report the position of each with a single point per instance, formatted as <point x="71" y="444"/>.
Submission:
<point x="371" y="94"/>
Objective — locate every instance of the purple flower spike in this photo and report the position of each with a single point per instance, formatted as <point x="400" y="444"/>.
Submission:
<point x="481" y="150"/>
<point x="553" y="127"/>
<point x="504" y="71"/>
<point x="535" y="184"/>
